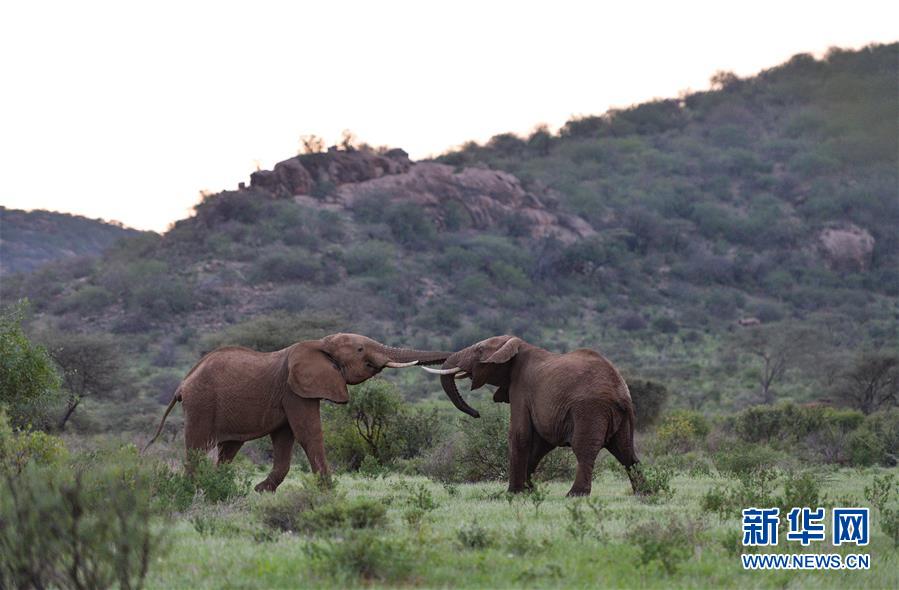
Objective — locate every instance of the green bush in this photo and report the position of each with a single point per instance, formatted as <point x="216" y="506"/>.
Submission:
<point x="29" y="383"/>
<point x="802" y="489"/>
<point x="656" y="484"/>
<point x="681" y="431"/>
<point x="474" y="536"/>
<point x="880" y="491"/>
<point x="738" y="460"/>
<point x="669" y="543"/>
<point x="19" y="449"/>
<point x="649" y="398"/>
<point x="286" y="265"/>
<point x="284" y="510"/>
<point x="83" y="525"/>
<point x="213" y="483"/>
<point x="363" y="554"/>
<point x="274" y="331"/>
<point x="889" y="523"/>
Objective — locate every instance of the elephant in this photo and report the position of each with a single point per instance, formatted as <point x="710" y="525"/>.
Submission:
<point x="235" y="394"/>
<point x="577" y="399"/>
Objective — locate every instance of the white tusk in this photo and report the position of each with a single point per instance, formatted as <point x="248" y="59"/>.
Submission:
<point x="452" y="371"/>
<point x="462" y="375"/>
<point x="394" y="365"/>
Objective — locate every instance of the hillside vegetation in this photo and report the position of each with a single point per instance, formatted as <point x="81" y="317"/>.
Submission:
<point x="30" y="239"/>
<point x="647" y="233"/>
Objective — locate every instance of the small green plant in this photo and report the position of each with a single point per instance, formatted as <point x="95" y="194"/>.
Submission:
<point x="537" y="496"/>
<point x="880" y="490"/>
<point x="474" y="536"/>
<point x="669" y="544"/>
<point x="580" y="523"/>
<point x="655" y="485"/>
<point x="362" y="554"/>
<point x="421" y="497"/>
<point x="889" y="523"/>
<point x="452" y="489"/>
<point x="802" y="489"/>
<point x="519" y="541"/>
<point x="19" y="448"/>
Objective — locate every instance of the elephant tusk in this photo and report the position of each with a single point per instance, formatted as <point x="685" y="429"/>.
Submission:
<point x="442" y="371"/>
<point x="462" y="375"/>
<point x="394" y="365"/>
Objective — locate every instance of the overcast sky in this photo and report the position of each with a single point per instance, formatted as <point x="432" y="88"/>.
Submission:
<point x="126" y="111"/>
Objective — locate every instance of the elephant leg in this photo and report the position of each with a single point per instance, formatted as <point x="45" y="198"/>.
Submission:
<point x="519" y="452"/>
<point x="199" y="438"/>
<point x="539" y="449"/>
<point x="306" y="424"/>
<point x="622" y="448"/>
<point x="588" y="439"/>
<point x="282" y="446"/>
<point x="228" y="450"/>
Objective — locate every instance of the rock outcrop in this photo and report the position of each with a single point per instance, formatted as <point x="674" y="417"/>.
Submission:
<point x="846" y="248"/>
<point x="300" y="175"/>
<point x="489" y="198"/>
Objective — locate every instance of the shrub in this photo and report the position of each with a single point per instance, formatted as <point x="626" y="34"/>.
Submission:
<point x="29" y="384"/>
<point x="283" y="510"/>
<point x="889" y="522"/>
<point x="281" y="266"/>
<point x="474" y="536"/>
<point x="213" y="483"/>
<point x="649" y="398"/>
<point x="742" y="460"/>
<point x="580" y="523"/>
<point x="484" y="445"/>
<point x="802" y="489"/>
<point x="669" y="544"/>
<point x="363" y="554"/>
<point x="681" y="431"/>
<point x="270" y="332"/>
<point x="86" y="525"/>
<point x="19" y="449"/>
<point x="879" y="492"/>
<point x="656" y="483"/>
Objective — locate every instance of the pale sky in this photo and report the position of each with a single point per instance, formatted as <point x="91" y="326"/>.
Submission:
<point x="127" y="110"/>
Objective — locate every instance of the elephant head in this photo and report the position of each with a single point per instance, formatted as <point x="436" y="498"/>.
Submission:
<point x="323" y="368"/>
<point x="486" y="362"/>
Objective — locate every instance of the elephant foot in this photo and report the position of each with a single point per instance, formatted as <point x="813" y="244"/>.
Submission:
<point x="266" y="486"/>
<point x="516" y="489"/>
<point x="578" y="492"/>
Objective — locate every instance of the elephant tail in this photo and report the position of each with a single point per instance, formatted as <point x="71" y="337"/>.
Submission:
<point x="175" y="399"/>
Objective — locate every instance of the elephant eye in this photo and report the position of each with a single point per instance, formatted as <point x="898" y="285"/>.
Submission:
<point x="360" y="349"/>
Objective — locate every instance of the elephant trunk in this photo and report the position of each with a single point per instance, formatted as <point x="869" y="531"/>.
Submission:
<point x="424" y="357"/>
<point x="449" y="386"/>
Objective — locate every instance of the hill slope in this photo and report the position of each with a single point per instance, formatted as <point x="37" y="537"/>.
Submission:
<point x="647" y="233"/>
<point x="30" y="239"/>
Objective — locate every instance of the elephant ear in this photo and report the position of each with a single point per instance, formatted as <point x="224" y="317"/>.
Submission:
<point x="312" y="374"/>
<point x="501" y="395"/>
<point x="505" y="352"/>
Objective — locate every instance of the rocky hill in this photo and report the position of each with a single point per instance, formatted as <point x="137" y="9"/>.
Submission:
<point x="656" y="234"/>
<point x="30" y="239"/>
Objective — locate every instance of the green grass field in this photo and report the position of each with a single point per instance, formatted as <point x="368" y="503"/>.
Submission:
<point x="504" y="544"/>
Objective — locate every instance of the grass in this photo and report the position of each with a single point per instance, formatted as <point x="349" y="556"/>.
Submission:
<point x="520" y="546"/>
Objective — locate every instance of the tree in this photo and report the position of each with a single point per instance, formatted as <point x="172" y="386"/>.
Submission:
<point x="29" y="382"/>
<point x="649" y="398"/>
<point x="374" y="407"/>
<point x="90" y="364"/>
<point x="872" y="383"/>
<point x="776" y="349"/>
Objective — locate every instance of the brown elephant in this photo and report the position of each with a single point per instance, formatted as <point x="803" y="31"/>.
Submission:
<point x="576" y="399"/>
<point x="236" y="394"/>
